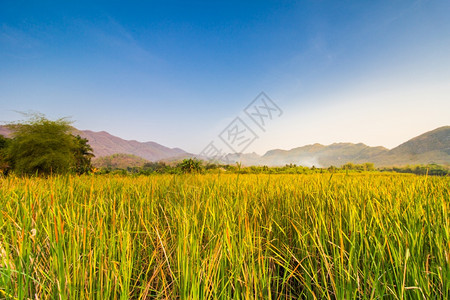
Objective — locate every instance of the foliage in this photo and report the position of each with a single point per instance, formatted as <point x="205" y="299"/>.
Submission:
<point x="190" y="166"/>
<point x="214" y="168"/>
<point x="432" y="169"/>
<point x="42" y="146"/>
<point x="83" y="155"/>
<point x="359" y="167"/>
<point x="119" y="161"/>
<point x="156" y="167"/>
<point x="318" y="236"/>
<point x="3" y="142"/>
<point x="4" y="161"/>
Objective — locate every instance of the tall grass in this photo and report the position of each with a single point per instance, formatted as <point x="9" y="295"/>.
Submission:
<point x="357" y="236"/>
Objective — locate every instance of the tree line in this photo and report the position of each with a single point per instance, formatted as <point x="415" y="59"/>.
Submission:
<point x="193" y="165"/>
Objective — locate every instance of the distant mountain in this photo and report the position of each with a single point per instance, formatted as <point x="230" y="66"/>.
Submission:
<point x="335" y="154"/>
<point x="4" y="131"/>
<point x="105" y="144"/>
<point x="430" y="147"/>
<point x="317" y="155"/>
<point x="247" y="159"/>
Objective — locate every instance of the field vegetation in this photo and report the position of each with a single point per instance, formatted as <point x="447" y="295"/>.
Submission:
<point x="195" y="166"/>
<point x="365" y="235"/>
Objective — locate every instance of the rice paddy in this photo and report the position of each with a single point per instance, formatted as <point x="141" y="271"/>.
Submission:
<point x="225" y="236"/>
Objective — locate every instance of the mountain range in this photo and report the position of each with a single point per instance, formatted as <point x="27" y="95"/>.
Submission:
<point x="105" y="144"/>
<point x="427" y="148"/>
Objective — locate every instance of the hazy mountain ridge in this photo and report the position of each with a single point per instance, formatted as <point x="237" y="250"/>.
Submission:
<point x="105" y="144"/>
<point x="427" y="148"/>
<point x="4" y="131"/>
<point x="321" y="155"/>
<point x="430" y="147"/>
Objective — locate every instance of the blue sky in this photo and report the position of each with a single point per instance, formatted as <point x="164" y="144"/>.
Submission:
<point x="178" y="72"/>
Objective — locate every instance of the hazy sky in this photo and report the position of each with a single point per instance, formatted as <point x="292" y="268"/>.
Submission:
<point x="178" y="73"/>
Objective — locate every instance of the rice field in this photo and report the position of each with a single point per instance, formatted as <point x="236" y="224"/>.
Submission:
<point x="225" y="236"/>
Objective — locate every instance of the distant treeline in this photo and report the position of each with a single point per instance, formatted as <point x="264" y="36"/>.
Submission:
<point x="197" y="166"/>
<point x="41" y="147"/>
<point x="432" y="169"/>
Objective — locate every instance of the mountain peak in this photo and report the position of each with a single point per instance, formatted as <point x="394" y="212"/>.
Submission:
<point x="105" y="144"/>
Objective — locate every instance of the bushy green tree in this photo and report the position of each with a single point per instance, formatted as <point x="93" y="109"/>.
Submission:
<point x="42" y="146"/>
<point x="83" y="155"/>
<point x="190" y="166"/>
<point x="4" y="161"/>
<point x="157" y="167"/>
<point x="369" y="167"/>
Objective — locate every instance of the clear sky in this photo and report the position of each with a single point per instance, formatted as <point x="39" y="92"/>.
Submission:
<point x="177" y="72"/>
